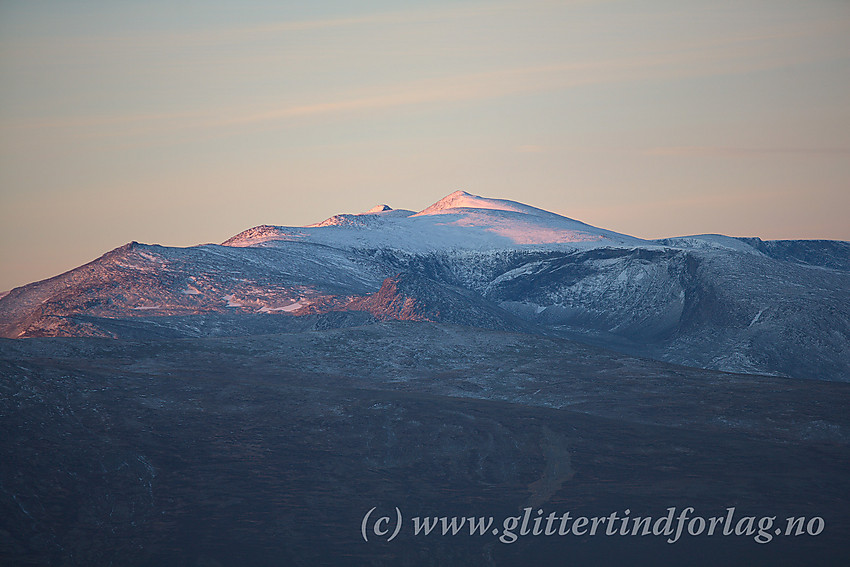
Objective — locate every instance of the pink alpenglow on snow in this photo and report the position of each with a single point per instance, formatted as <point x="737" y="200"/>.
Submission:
<point x="460" y="221"/>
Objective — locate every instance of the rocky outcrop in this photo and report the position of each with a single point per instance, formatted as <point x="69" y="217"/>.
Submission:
<point x="411" y="297"/>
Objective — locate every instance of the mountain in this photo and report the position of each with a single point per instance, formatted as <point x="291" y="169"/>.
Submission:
<point x="709" y="301"/>
<point x="251" y="403"/>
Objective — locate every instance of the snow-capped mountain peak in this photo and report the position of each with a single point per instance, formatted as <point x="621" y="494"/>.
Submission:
<point x="459" y="221"/>
<point x="464" y="200"/>
<point x="378" y="209"/>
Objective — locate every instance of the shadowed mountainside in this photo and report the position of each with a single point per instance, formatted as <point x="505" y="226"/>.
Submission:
<point x="270" y="449"/>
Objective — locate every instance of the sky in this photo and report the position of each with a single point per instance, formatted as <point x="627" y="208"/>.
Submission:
<point x="181" y="123"/>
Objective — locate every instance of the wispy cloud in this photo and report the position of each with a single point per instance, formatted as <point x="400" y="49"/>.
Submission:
<point x="47" y="49"/>
<point x="734" y="56"/>
<point x="758" y="50"/>
<point x="737" y="152"/>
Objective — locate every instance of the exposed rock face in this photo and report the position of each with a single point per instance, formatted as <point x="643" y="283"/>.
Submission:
<point x="397" y="300"/>
<point x="412" y="297"/>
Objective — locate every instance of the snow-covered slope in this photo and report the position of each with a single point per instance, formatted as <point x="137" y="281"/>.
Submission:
<point x="733" y="304"/>
<point x="459" y="221"/>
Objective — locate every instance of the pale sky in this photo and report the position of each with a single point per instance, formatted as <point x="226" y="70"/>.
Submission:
<point x="182" y="123"/>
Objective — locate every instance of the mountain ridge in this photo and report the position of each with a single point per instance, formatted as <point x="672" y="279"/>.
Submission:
<point x="459" y="220"/>
<point x="710" y="301"/>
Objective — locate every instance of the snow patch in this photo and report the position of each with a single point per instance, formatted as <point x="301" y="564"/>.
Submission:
<point x="151" y="257"/>
<point x="263" y="233"/>
<point x="286" y="308"/>
<point x="756" y="318"/>
<point x="708" y="242"/>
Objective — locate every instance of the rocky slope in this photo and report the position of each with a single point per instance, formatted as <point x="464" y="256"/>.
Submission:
<point x="710" y="301"/>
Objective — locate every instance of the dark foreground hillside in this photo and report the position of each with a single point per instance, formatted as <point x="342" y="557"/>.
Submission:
<point x="269" y="450"/>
